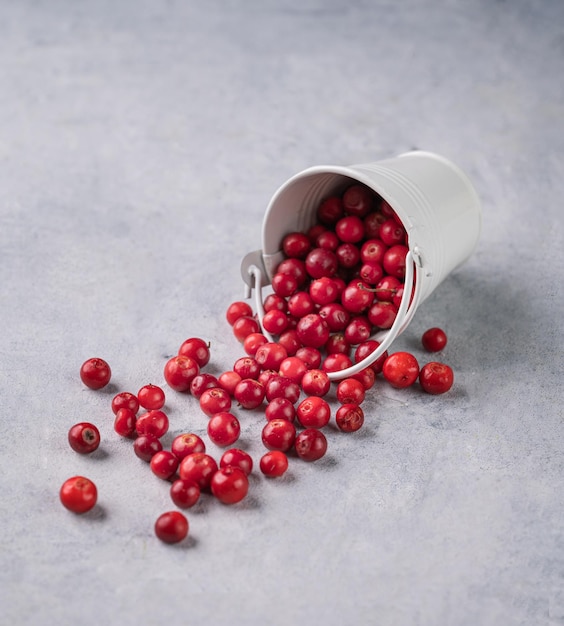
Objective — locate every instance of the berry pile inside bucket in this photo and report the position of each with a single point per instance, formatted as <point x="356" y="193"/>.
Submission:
<point x="338" y="286"/>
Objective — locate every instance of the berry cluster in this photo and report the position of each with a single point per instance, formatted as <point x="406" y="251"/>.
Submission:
<point x="337" y="285"/>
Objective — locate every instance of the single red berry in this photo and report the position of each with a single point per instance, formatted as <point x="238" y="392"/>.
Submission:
<point x="229" y="485"/>
<point x="247" y="367"/>
<point x="124" y="422"/>
<point x="387" y="288"/>
<point x="253" y="342"/>
<point x="311" y="444"/>
<point x="295" y="268"/>
<point x="365" y="349"/>
<point x="336" y="363"/>
<point x="146" y="446"/>
<point x="171" y="527"/>
<point x="280" y="408"/>
<point x="394" y="261"/>
<point x="184" y="493"/>
<point x="335" y="316"/>
<point x="358" y="200"/>
<point x="84" y="437"/>
<point x="284" y="285"/>
<point x="371" y="273"/>
<point x="95" y="373"/>
<point x="348" y="255"/>
<point x="270" y="355"/>
<point x="273" y="463"/>
<point x="274" y="302"/>
<point x="278" y="434"/>
<point x="78" y="494"/>
<point x="350" y="391"/>
<point x="436" y="378"/>
<point x="151" y="397"/>
<point x="367" y="377"/>
<point x="249" y="393"/>
<point x="164" y="464"/>
<point x="337" y="343"/>
<point x="313" y="412"/>
<point x="235" y="457"/>
<point x="125" y="400"/>
<point x="400" y="369"/>
<point x="154" y="423"/>
<point x="185" y="444"/>
<point x="198" y="467"/>
<point x="372" y="223"/>
<point x="224" y="429"/>
<point x="358" y="330"/>
<point x="314" y="231"/>
<point x="313" y="331"/>
<point x="392" y="232"/>
<point x="434" y="339"/>
<point x="244" y="326"/>
<point x="357" y="297"/>
<point x="349" y="418"/>
<point x="331" y="210"/>
<point x="197" y="349"/>
<point x="321" y="262"/>
<point x="228" y="381"/>
<point x="215" y="400"/>
<point x="282" y="387"/>
<point x="290" y="341"/>
<point x="327" y="240"/>
<point x="296" y="245"/>
<point x="310" y="356"/>
<point x="382" y="314"/>
<point x="350" y="229"/>
<point x="275" y="322"/>
<point x="293" y="368"/>
<point x="237" y="310"/>
<point x="180" y="371"/>
<point x="300" y="304"/>
<point x="315" y="382"/>
<point x="201" y="382"/>
<point x="372" y="251"/>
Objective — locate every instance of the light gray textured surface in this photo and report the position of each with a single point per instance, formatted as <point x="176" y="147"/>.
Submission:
<point x="139" y="145"/>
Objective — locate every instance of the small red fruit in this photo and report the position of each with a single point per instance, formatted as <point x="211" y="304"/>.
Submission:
<point x="95" y="373"/>
<point x="273" y="463"/>
<point x="311" y="444"/>
<point x="196" y="349"/>
<point x="400" y="369"/>
<point x="125" y="400"/>
<point x="179" y="372"/>
<point x="78" y="494"/>
<point x="235" y="457"/>
<point x="349" y="418"/>
<point x="199" y="468"/>
<point x="184" y="493"/>
<point x="434" y="339"/>
<point x="436" y="378"/>
<point x="84" y="437"/>
<point x="224" y="429"/>
<point x="171" y="527"/>
<point x="164" y="464"/>
<point x="151" y="397"/>
<point x="229" y="484"/>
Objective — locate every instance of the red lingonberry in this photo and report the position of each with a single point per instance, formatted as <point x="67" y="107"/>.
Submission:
<point x="270" y="355"/>
<point x="330" y="211"/>
<point x="315" y="382"/>
<point x="348" y="255"/>
<point x="164" y="464"/>
<point x="394" y="261"/>
<point x="310" y="356"/>
<point x="295" y="268"/>
<point x="371" y="273"/>
<point x="282" y="387"/>
<point x="327" y="240"/>
<point x="314" y="231"/>
<point x="321" y="262"/>
<point x="215" y="400"/>
<point x="228" y="381"/>
<point x="280" y="408"/>
<point x="244" y="326"/>
<point x="95" y="373"/>
<point x="249" y="393"/>
<point x="275" y="322"/>
<point x="350" y="391"/>
<point x="358" y="330"/>
<point x="357" y="297"/>
<point x="349" y="418"/>
<point x="290" y="341"/>
<point x="247" y="367"/>
<point x="382" y="314"/>
<point x="198" y="467"/>
<point x="335" y="316"/>
<point x="366" y="377"/>
<point x="78" y="494"/>
<point x="387" y="288"/>
<point x="146" y="446"/>
<point x="179" y="371"/>
<point x="171" y="527"/>
<point x="372" y="251"/>
<point x="358" y="200"/>
<point x="151" y="397"/>
<point x="336" y="363"/>
<point x="124" y="422"/>
<point x="313" y="412"/>
<point x="284" y="285"/>
<point x="278" y="434"/>
<point x="154" y="423"/>
<point x="236" y="310"/>
<point x="274" y="463"/>
<point x="313" y="331"/>
<point x="235" y="457"/>
<point x="184" y="493"/>
<point x="392" y="232"/>
<point x="273" y="302"/>
<point x="84" y="437"/>
<point x="365" y="349"/>
<point x="310" y="444"/>
<point x="323" y="291"/>
<point x="434" y="339"/>
<point x="350" y="229"/>
<point x="293" y="368"/>
<point x="300" y="304"/>
<point x="400" y="369"/>
<point x="436" y="378"/>
<point x="197" y="349"/>
<point x="253" y="342"/>
<point x="201" y="382"/>
<point x="185" y="444"/>
<point x="125" y="400"/>
<point x="372" y="223"/>
<point x="229" y="485"/>
<point x="296" y="245"/>
<point x="224" y="429"/>
<point x="337" y="343"/>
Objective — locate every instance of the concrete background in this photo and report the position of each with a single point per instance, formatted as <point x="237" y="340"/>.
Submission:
<point x="140" y="143"/>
